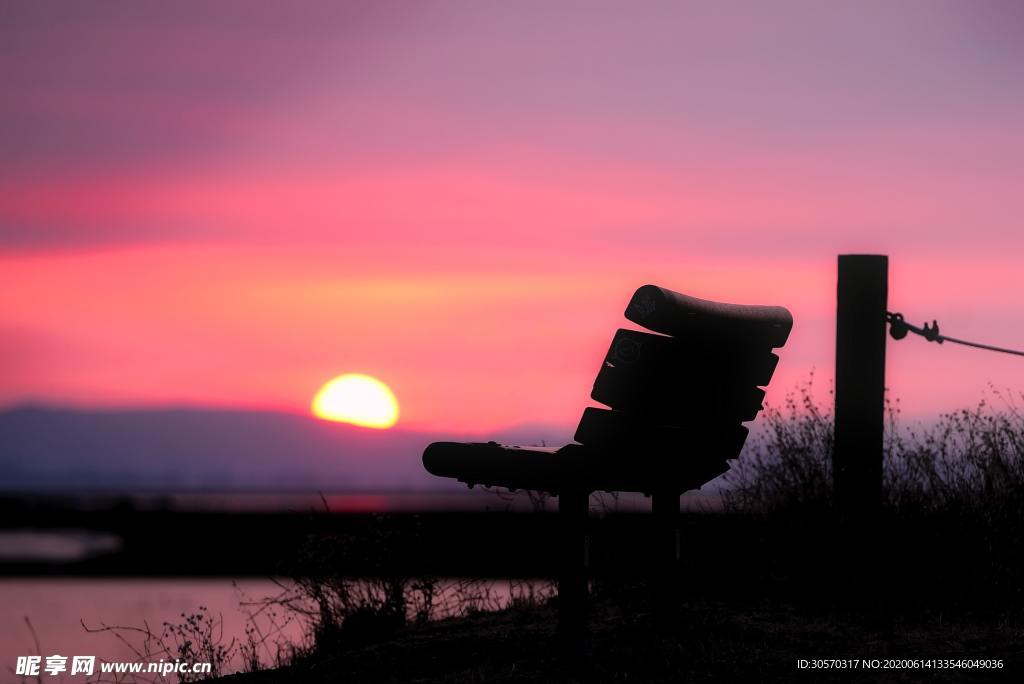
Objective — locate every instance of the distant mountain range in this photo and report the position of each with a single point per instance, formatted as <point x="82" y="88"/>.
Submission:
<point x="196" y="449"/>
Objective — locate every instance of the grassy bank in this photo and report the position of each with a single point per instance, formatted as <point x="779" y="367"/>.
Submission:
<point x="934" y="572"/>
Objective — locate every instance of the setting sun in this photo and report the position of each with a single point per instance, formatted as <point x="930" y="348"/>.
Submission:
<point x="357" y="399"/>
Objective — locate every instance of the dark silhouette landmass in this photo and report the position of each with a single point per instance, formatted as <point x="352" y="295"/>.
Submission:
<point x="44" y="448"/>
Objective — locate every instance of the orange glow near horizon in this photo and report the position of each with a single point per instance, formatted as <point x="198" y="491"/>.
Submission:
<point x="473" y="349"/>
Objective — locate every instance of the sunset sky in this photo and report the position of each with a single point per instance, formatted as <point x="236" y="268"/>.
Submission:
<point x="227" y="204"/>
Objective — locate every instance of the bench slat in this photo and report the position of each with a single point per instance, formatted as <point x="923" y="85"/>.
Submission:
<point x="606" y="429"/>
<point x="679" y="315"/>
<point x="669" y="401"/>
<point x="571" y="467"/>
<point x="652" y="353"/>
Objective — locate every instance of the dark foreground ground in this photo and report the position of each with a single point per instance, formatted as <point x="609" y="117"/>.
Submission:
<point x="715" y="640"/>
<point x="759" y="593"/>
<point x="758" y="596"/>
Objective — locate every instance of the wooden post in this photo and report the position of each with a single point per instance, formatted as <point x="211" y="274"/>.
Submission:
<point x="860" y="380"/>
<point x="573" y="512"/>
<point x="665" y="589"/>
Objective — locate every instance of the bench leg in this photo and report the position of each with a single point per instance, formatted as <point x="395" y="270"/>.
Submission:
<point x="665" y="560"/>
<point x="573" y="511"/>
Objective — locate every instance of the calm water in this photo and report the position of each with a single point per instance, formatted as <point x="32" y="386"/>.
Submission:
<point x="56" y="609"/>
<point x="475" y="500"/>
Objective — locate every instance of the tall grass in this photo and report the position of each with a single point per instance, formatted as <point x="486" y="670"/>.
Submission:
<point x="787" y="464"/>
<point x="969" y="461"/>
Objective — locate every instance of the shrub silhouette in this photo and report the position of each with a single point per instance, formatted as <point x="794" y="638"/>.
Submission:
<point x="969" y="461"/>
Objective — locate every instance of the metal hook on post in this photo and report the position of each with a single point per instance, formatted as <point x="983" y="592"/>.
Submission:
<point x="898" y="328"/>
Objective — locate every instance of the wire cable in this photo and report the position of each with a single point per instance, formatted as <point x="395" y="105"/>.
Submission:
<point x="978" y="345"/>
<point x="898" y="329"/>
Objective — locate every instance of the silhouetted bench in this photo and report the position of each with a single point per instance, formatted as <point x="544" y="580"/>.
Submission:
<point x="677" y="399"/>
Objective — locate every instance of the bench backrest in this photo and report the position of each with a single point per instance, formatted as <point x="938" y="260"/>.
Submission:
<point x="677" y="396"/>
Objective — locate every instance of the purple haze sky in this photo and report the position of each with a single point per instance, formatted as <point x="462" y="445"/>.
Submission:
<point x="229" y="203"/>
